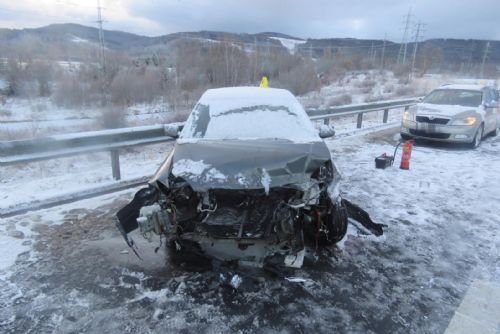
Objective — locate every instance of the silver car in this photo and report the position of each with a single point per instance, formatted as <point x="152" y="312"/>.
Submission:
<point x="454" y="113"/>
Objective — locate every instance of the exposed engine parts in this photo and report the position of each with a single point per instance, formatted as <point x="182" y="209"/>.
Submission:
<point x="246" y="226"/>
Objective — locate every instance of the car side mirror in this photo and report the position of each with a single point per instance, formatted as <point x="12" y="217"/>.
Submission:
<point x="326" y="131"/>
<point x="173" y="130"/>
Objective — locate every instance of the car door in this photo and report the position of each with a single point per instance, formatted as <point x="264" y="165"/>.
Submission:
<point x="490" y="109"/>
<point x="496" y="111"/>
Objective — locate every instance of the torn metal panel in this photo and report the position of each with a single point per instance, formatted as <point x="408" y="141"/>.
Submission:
<point x="235" y="164"/>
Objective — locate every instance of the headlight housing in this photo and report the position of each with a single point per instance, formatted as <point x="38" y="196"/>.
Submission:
<point x="409" y="115"/>
<point x="469" y="120"/>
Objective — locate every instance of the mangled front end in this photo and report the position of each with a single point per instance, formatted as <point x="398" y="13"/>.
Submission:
<point x="232" y="208"/>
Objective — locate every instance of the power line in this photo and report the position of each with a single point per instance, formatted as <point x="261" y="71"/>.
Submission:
<point x="485" y="56"/>
<point x="103" y="55"/>
<point x="383" y="52"/>
<point x="404" y="40"/>
<point x="418" y="35"/>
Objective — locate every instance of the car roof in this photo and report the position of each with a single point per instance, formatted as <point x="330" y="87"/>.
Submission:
<point x="461" y="86"/>
<point x="224" y="99"/>
<point x="245" y="93"/>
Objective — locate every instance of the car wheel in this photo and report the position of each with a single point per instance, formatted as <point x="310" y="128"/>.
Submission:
<point x="405" y="136"/>
<point x="338" y="224"/>
<point x="494" y="133"/>
<point x="478" y="137"/>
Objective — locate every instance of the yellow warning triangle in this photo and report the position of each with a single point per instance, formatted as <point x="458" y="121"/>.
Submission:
<point x="264" y="83"/>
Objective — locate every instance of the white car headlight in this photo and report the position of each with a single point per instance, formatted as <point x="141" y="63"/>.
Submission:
<point x="471" y="120"/>
<point x="408" y="115"/>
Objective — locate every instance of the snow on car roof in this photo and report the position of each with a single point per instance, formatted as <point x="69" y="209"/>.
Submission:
<point x="246" y="92"/>
<point x="238" y="97"/>
<point x="465" y="87"/>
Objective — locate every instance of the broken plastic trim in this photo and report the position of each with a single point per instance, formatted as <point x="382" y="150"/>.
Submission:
<point x="361" y="216"/>
<point x="127" y="216"/>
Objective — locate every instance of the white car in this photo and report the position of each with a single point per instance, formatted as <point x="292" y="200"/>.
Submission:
<point x="454" y="113"/>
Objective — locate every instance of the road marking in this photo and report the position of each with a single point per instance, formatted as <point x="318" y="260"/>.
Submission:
<point x="479" y="311"/>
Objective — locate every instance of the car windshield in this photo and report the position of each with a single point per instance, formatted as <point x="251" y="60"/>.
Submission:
<point x="225" y="119"/>
<point x="461" y="97"/>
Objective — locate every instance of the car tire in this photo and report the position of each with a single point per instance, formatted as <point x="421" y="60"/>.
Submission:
<point x="338" y="224"/>
<point x="494" y="133"/>
<point x="478" y="137"/>
<point x="405" y="136"/>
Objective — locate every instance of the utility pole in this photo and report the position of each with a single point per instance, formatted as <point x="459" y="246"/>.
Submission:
<point x="383" y="52"/>
<point x="485" y="56"/>
<point x="415" y="46"/>
<point x="404" y="40"/>
<point x="103" y="55"/>
<point x="371" y="53"/>
<point x="256" y="58"/>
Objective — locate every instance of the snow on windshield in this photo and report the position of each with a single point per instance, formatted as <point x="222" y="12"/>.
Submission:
<point x="466" y="98"/>
<point x="249" y="113"/>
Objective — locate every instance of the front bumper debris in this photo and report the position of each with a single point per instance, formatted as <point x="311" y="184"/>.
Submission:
<point x="256" y="236"/>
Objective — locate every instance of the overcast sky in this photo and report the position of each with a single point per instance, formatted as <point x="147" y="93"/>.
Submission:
<point x="307" y="18"/>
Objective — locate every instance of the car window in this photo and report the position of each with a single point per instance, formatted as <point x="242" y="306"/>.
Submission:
<point x="208" y="121"/>
<point x="494" y="94"/>
<point x="488" y="96"/>
<point x="462" y="97"/>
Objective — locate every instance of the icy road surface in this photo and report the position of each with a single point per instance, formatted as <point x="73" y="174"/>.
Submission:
<point x="66" y="270"/>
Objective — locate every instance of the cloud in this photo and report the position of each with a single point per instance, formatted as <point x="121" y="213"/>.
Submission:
<point x="312" y="18"/>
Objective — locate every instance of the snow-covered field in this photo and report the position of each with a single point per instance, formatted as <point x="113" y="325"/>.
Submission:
<point x="67" y="269"/>
<point x="290" y="44"/>
<point x="26" y="118"/>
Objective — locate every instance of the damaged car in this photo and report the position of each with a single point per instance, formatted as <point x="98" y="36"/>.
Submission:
<point x="249" y="180"/>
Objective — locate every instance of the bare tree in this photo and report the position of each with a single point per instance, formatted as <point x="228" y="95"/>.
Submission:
<point x="429" y="56"/>
<point x="42" y="72"/>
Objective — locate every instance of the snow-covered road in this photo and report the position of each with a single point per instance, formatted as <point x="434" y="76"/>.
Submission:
<point x="67" y="269"/>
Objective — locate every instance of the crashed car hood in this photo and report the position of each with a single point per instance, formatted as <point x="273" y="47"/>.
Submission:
<point x="243" y="164"/>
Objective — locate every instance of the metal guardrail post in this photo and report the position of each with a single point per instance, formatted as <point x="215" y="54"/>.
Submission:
<point x="360" y="120"/>
<point x="115" y="164"/>
<point x="386" y="115"/>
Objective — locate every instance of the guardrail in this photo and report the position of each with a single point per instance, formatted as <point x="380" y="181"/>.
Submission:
<point x="58" y="146"/>
<point x="360" y="109"/>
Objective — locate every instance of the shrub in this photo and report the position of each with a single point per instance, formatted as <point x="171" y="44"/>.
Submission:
<point x="111" y="118"/>
<point x="340" y="100"/>
<point x="367" y="83"/>
<point x="404" y="91"/>
<point x="373" y="98"/>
